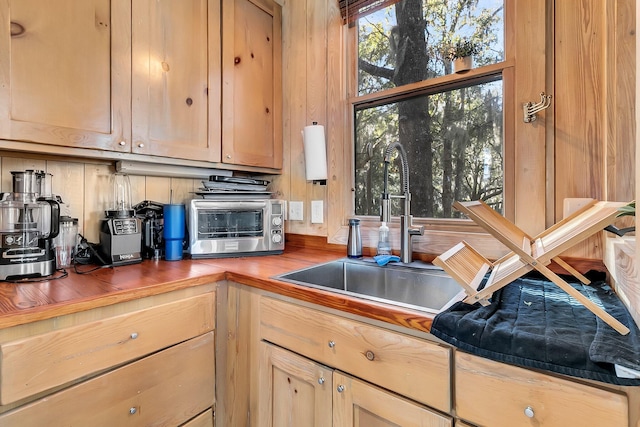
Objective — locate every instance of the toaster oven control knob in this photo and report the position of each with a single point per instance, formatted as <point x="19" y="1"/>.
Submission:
<point x="277" y="221"/>
<point x="276" y="238"/>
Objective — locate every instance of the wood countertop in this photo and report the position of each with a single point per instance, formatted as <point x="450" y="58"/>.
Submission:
<point x="29" y="302"/>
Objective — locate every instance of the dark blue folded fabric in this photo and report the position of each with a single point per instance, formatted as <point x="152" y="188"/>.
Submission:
<point x="533" y="323"/>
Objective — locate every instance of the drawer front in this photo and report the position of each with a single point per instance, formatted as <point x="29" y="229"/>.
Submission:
<point x="415" y="368"/>
<point x="495" y="394"/>
<point x="38" y="363"/>
<point x="203" y="420"/>
<point x="167" y="388"/>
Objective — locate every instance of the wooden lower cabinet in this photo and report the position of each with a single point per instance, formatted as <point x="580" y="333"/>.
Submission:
<point x="393" y="360"/>
<point x="282" y="361"/>
<point x="494" y="394"/>
<point x="144" y="362"/>
<point x="165" y="389"/>
<point x="359" y="404"/>
<point x="203" y="420"/>
<point x="295" y="391"/>
<point x="65" y="354"/>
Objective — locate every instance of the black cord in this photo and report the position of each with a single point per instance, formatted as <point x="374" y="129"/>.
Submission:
<point x="96" y="254"/>
<point x="75" y="268"/>
<point x="41" y="279"/>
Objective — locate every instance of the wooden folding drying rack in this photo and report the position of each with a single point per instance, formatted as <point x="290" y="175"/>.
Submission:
<point x="469" y="267"/>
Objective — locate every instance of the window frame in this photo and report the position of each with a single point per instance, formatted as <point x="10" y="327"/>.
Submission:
<point x="523" y="143"/>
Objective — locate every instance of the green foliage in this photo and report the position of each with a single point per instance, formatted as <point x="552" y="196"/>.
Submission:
<point x="628" y="210"/>
<point x="453" y="139"/>
<point x="463" y="48"/>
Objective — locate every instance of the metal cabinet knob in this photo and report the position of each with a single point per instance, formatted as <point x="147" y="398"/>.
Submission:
<point x="133" y="410"/>
<point x="340" y="388"/>
<point x="141" y="145"/>
<point x="321" y="380"/>
<point x="528" y="411"/>
<point x="122" y="143"/>
<point x="134" y="335"/>
<point x="332" y="344"/>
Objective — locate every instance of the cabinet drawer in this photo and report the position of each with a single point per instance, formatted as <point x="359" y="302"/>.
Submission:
<point x="495" y="394"/>
<point x="38" y="363"/>
<point x="412" y="367"/>
<point x="203" y="420"/>
<point x="167" y="388"/>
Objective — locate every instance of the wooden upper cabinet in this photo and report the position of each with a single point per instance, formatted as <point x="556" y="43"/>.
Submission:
<point x="176" y="98"/>
<point x="65" y="72"/>
<point x="252" y="83"/>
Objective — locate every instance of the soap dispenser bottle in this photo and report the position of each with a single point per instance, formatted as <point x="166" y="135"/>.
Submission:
<point x="384" y="247"/>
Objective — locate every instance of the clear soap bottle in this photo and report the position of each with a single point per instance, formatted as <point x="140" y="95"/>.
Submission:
<point x="384" y="247"/>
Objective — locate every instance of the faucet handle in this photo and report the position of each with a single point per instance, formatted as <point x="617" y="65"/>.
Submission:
<point x="416" y="231"/>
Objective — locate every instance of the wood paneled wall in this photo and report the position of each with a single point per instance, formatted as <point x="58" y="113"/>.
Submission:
<point x="85" y="187"/>
<point x="312" y="63"/>
<point x="590" y="152"/>
<point x="594" y="106"/>
<point x="589" y="130"/>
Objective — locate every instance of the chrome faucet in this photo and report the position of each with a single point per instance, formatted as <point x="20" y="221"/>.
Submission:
<point x="406" y="227"/>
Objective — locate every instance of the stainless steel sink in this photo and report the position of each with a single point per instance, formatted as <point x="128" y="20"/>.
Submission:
<point x="418" y="286"/>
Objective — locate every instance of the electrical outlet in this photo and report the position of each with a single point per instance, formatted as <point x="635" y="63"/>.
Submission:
<point x="317" y="216"/>
<point x="296" y="211"/>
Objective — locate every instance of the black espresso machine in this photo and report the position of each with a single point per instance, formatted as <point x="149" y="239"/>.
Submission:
<point x="151" y="216"/>
<point x="29" y="221"/>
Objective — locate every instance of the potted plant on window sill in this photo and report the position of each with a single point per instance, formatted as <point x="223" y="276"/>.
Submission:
<point x="461" y="54"/>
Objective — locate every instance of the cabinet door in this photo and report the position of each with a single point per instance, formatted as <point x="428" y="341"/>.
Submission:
<point x="252" y="83"/>
<point x="359" y="404"/>
<point x="294" y="391"/>
<point x="174" y="44"/>
<point x="65" y="73"/>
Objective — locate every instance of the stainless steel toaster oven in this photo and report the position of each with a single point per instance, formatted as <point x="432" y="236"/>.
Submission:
<point x="225" y="227"/>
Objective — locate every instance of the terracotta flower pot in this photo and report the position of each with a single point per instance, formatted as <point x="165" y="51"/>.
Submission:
<point x="460" y="65"/>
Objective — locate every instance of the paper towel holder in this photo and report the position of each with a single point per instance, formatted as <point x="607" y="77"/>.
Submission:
<point x="315" y="180"/>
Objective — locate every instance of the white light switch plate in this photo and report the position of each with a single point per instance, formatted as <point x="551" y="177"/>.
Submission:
<point x="317" y="216"/>
<point x="296" y="211"/>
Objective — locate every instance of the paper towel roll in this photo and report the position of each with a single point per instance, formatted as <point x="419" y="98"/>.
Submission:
<point x="315" y="152"/>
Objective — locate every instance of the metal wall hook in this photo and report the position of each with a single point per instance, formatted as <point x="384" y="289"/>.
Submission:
<point x="530" y="109"/>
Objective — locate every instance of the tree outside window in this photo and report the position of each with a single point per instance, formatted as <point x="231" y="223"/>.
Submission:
<point x="452" y="131"/>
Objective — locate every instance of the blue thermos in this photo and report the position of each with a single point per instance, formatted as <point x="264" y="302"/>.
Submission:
<point x="173" y="231"/>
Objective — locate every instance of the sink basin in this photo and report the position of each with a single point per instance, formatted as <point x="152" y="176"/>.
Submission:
<point x="418" y="286"/>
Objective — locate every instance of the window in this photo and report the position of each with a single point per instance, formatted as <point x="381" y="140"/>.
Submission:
<point x="450" y="124"/>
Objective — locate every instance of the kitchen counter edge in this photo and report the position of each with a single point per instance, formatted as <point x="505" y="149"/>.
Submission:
<point x="22" y="303"/>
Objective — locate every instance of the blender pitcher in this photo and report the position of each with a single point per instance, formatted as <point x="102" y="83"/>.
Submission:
<point x="66" y="241"/>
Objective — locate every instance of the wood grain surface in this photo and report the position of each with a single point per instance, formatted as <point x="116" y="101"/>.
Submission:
<point x="28" y="302"/>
